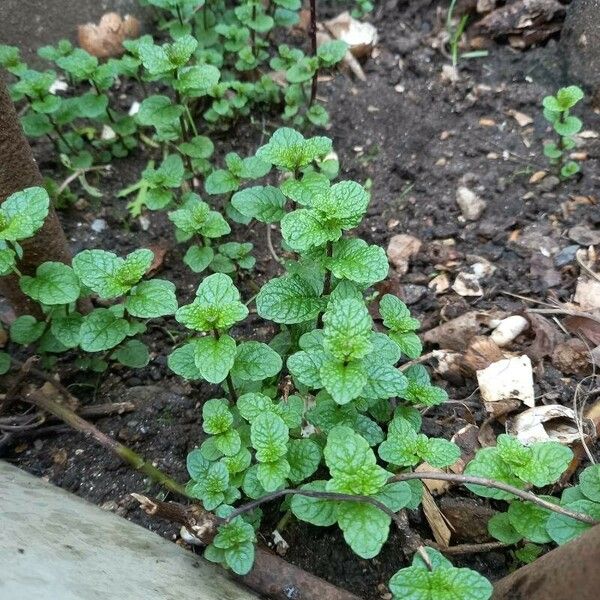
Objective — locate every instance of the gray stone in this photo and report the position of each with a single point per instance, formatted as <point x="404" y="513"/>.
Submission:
<point x="55" y="546"/>
<point x="580" y="43"/>
<point x="30" y="24"/>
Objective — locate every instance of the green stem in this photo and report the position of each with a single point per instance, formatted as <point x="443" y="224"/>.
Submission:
<point x="228" y="379"/>
<point x="312" y="31"/>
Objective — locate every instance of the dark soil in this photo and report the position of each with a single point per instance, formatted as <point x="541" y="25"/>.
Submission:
<point x="415" y="144"/>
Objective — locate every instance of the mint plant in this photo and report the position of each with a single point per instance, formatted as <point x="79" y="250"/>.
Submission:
<point x="104" y="332"/>
<point x="557" y="110"/>
<point x="438" y="579"/>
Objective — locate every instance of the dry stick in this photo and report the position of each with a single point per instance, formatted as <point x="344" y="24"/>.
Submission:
<point x="270" y="576"/>
<point x="490" y="483"/>
<point x="312" y="31"/>
<point x="129" y="456"/>
<point x="469" y="548"/>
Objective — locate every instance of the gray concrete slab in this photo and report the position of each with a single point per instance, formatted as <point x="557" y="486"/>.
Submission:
<point x="56" y="546"/>
<point x="30" y="24"/>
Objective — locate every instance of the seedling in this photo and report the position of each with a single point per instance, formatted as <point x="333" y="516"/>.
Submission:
<point x="557" y="110"/>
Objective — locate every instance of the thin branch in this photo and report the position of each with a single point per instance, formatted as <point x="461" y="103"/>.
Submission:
<point x="315" y="494"/>
<point x="270" y="246"/>
<point x="126" y="454"/>
<point x="468" y="548"/>
<point x="498" y="485"/>
<point x="312" y="32"/>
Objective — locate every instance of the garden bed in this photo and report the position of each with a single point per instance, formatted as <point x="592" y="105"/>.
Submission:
<point x="417" y="138"/>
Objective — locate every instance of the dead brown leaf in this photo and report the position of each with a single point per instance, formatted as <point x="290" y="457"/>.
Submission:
<point x="481" y="353"/>
<point x="435" y="518"/>
<point x="105" y="40"/>
<point x="585" y="326"/>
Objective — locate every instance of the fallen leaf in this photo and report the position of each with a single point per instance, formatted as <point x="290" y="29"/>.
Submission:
<point x="572" y="357"/>
<point x="521" y="118"/>
<point x="440" y="283"/>
<point x="485" y="122"/>
<point x="401" y="249"/>
<point x="468" y="519"/>
<point x="481" y="353"/>
<point x="105" y="40"/>
<point x="585" y="326"/>
<point x="160" y="251"/>
<point x="467" y="284"/>
<point x="546" y="336"/>
<point x="551" y="422"/>
<point x="537" y="177"/>
<point x="457" y="333"/>
<point x="435" y="518"/>
<point x="587" y="294"/>
<point x="507" y="379"/>
<point x="435" y="486"/>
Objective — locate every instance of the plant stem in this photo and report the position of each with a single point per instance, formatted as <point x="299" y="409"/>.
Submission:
<point x="60" y="134"/>
<point x="228" y="379"/>
<point x="312" y="31"/>
<point x="498" y="485"/>
<point x="65" y="414"/>
<point x="327" y="283"/>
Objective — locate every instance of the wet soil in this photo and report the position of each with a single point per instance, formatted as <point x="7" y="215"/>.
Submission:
<point x="414" y="138"/>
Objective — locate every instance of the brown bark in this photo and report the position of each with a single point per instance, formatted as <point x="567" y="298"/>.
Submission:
<point x="570" y="571"/>
<point x="18" y="170"/>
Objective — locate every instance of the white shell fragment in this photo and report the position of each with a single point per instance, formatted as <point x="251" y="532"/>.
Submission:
<point x="509" y="329"/>
<point x="510" y="378"/>
<point x="552" y="422"/>
<point x="361" y="37"/>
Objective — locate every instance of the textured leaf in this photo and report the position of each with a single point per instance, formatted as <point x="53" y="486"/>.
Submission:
<point x="562" y="529"/>
<point x="530" y="520"/>
<point x="365" y="527"/>
<point x="54" y="283"/>
<point x="317" y="511"/>
<point x="499" y="527"/>
<point x="152" y="299"/>
<point x="272" y="475"/>
<point x="395" y="496"/>
<point x="304" y="457"/>
<point x="255" y="361"/>
<point x="216" y="416"/>
<point x="288" y="300"/>
<point x="440" y="453"/>
<point x="26" y="329"/>
<point x="158" y="111"/>
<point x="66" y="329"/>
<point x="269" y="436"/>
<point x="215" y="357"/>
<point x="589" y="482"/>
<point x="355" y="260"/>
<point x="549" y="460"/>
<point x="488" y="463"/>
<point x="305" y="229"/>
<point x="23" y="213"/>
<point x="265" y="204"/>
<point x="352" y="464"/>
<point x="343" y="381"/>
<point x="183" y="361"/>
<point x="102" y="330"/>
<point x="198" y="258"/>
<point x="133" y="354"/>
<point x="347" y="330"/>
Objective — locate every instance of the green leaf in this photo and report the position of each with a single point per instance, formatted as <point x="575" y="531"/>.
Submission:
<point x="263" y="203"/>
<point x="198" y="258"/>
<point x="551" y="150"/>
<point x="109" y="275"/>
<point x="304" y="457"/>
<point x="66" y="329"/>
<point x="4" y="363"/>
<point x="269" y="435"/>
<point x="568" y="97"/>
<point x="288" y="300"/>
<point x="500" y="528"/>
<point x="289" y="150"/>
<point x="197" y="80"/>
<point x="589" y="482"/>
<point x="238" y="462"/>
<point x="195" y="217"/>
<point x="78" y="63"/>
<point x="563" y="529"/>
<point x="528" y="553"/>
<point x="26" y="329"/>
<point x="255" y="361"/>
<point x="251" y="485"/>
<point x="229" y="442"/>
<point x="133" y="354"/>
<point x="400" y="448"/>
<point x="211" y="488"/>
<point x="303" y="190"/>
<point x="344" y="381"/>
<point x="221" y="181"/>
<point x="440" y="453"/>
<point x="317" y="511"/>
<point x="36" y="125"/>
<point x="548" y="461"/>
<point x="396" y="496"/>
<point x="152" y="299"/>
<point x="251" y="405"/>
<point x="199" y="146"/>
<point x="215" y="357"/>
<point x="54" y="283"/>
<point x="352" y="463"/>
<point x="365" y="527"/>
<point x="182" y="361"/>
<point x="569" y="169"/>
<point x="355" y="260"/>
<point x="216" y="416"/>
<point x="272" y="475"/>
<point x="569" y="126"/>
<point x="217" y="305"/>
<point x="383" y="381"/>
<point x="347" y="330"/>
<point x="236" y="539"/>
<point x="159" y="112"/>
<point x="331" y="53"/>
<point x="102" y="330"/>
<point x="303" y="229"/>
<point x="23" y="213"/>
<point x="530" y="520"/>
<point x="92" y="106"/>
<point x="489" y="464"/>
<point x="443" y="583"/>
<point x="241" y="558"/>
<point x="197" y="465"/>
